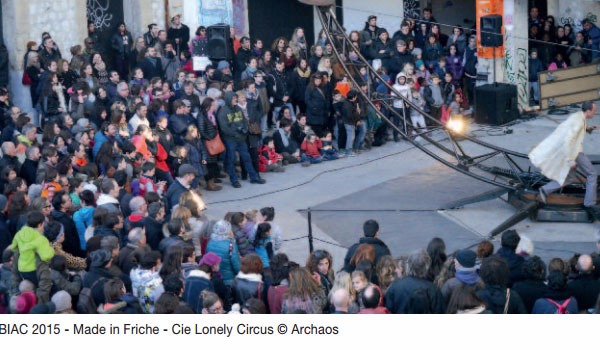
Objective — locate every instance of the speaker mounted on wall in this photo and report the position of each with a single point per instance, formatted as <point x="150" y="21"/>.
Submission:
<point x="491" y="31"/>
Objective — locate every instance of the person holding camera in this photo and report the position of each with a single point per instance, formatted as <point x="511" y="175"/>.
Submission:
<point x="234" y="131"/>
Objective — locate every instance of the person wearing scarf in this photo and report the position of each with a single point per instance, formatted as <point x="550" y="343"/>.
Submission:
<point x="466" y="273"/>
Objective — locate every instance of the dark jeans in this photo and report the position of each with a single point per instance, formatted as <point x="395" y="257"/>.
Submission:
<point x="122" y="66"/>
<point x="254" y="156"/>
<point x="213" y="170"/>
<point x="398" y="120"/>
<point x="231" y="147"/>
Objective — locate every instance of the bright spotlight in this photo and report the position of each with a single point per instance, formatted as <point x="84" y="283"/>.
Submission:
<point x="456" y="124"/>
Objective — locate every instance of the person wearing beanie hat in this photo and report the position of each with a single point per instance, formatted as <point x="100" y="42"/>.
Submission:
<point x="223" y="65"/>
<point x="211" y="259"/>
<point x="98" y="274"/>
<point x="63" y="302"/>
<point x="43" y="309"/>
<point x="223" y="244"/>
<point x="25" y="302"/>
<point x="466" y="273"/>
<point x="369" y="34"/>
<point x="509" y="241"/>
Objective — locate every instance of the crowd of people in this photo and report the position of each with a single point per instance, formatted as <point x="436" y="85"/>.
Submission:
<point x="101" y="208"/>
<point x="553" y="46"/>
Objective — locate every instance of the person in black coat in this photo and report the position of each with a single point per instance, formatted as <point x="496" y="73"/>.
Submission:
<point x="98" y="274"/>
<point x="179" y="34"/>
<point x="317" y="105"/>
<point x="186" y="173"/>
<point x="509" y="241"/>
<point x="241" y="58"/>
<point x="62" y="204"/>
<point x="383" y="48"/>
<point x="153" y="223"/>
<point x="532" y="287"/>
<point x="495" y="274"/>
<point x="5" y="236"/>
<point x="414" y="293"/>
<point x="121" y="44"/>
<point x="151" y="65"/>
<point x="585" y="288"/>
<point x="298" y="83"/>
<point x="30" y="165"/>
<point x="400" y="58"/>
<point x="370" y="231"/>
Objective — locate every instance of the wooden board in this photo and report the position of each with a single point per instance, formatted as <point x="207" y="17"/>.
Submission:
<point x="568" y="100"/>
<point x="569" y="73"/>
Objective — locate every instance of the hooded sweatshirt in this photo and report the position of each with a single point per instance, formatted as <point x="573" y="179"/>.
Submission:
<point x="28" y="242"/>
<point x="403" y="89"/>
<point x="231" y="120"/>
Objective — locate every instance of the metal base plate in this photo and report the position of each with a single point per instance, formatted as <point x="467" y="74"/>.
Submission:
<point x="562" y="215"/>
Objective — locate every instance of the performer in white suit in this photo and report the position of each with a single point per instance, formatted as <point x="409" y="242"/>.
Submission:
<point x="562" y="151"/>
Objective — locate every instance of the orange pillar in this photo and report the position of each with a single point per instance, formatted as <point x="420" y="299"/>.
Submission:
<point x="484" y="8"/>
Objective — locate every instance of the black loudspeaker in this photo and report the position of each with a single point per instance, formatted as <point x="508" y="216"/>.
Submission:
<point x="496" y="104"/>
<point x="219" y="42"/>
<point x="491" y="31"/>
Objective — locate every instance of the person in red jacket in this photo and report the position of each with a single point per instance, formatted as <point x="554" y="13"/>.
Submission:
<point x="163" y="172"/>
<point x="311" y="149"/>
<point x="268" y="159"/>
<point x="147" y="183"/>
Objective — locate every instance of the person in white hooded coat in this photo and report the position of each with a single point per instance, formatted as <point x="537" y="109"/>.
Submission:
<point x="562" y="152"/>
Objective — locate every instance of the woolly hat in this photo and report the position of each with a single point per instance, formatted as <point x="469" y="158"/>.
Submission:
<point x="25" y="302"/>
<point x="419" y="64"/>
<point x="187" y="169"/>
<point x="210" y="259"/>
<point x="466" y="258"/>
<point x="417" y="51"/>
<point x="222" y="65"/>
<point x="62" y="300"/>
<point x="26" y="286"/>
<point x="3" y="201"/>
<point x="100" y="257"/>
<point x="221" y="228"/>
<point x="34" y="191"/>
<point x="90" y="187"/>
<point x="45" y="309"/>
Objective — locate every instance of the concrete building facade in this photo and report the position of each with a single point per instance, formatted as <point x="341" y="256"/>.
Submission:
<point x="66" y="20"/>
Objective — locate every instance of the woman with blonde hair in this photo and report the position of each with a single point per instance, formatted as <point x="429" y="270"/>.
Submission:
<point x="298" y="44"/>
<point x="325" y="65"/>
<point x="343" y="280"/>
<point x="198" y="222"/>
<point x="34" y="72"/>
<point x="304" y="294"/>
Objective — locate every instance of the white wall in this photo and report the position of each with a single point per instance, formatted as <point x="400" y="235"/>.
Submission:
<point x="389" y="14"/>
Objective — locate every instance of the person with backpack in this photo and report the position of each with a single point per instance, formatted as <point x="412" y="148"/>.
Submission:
<point x="92" y="293"/>
<point x="558" y="300"/>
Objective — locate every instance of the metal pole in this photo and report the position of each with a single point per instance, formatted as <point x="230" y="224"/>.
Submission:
<point x="310" y="234"/>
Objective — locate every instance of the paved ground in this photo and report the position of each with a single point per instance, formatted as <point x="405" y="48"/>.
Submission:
<point x="399" y="177"/>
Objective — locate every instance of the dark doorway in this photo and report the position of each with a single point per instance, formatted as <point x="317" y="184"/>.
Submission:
<point x="270" y="19"/>
<point x="106" y="16"/>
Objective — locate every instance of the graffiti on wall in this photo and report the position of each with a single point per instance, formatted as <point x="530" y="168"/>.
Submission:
<point x="412" y="9"/>
<point x="516" y="66"/>
<point x="99" y="14"/>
